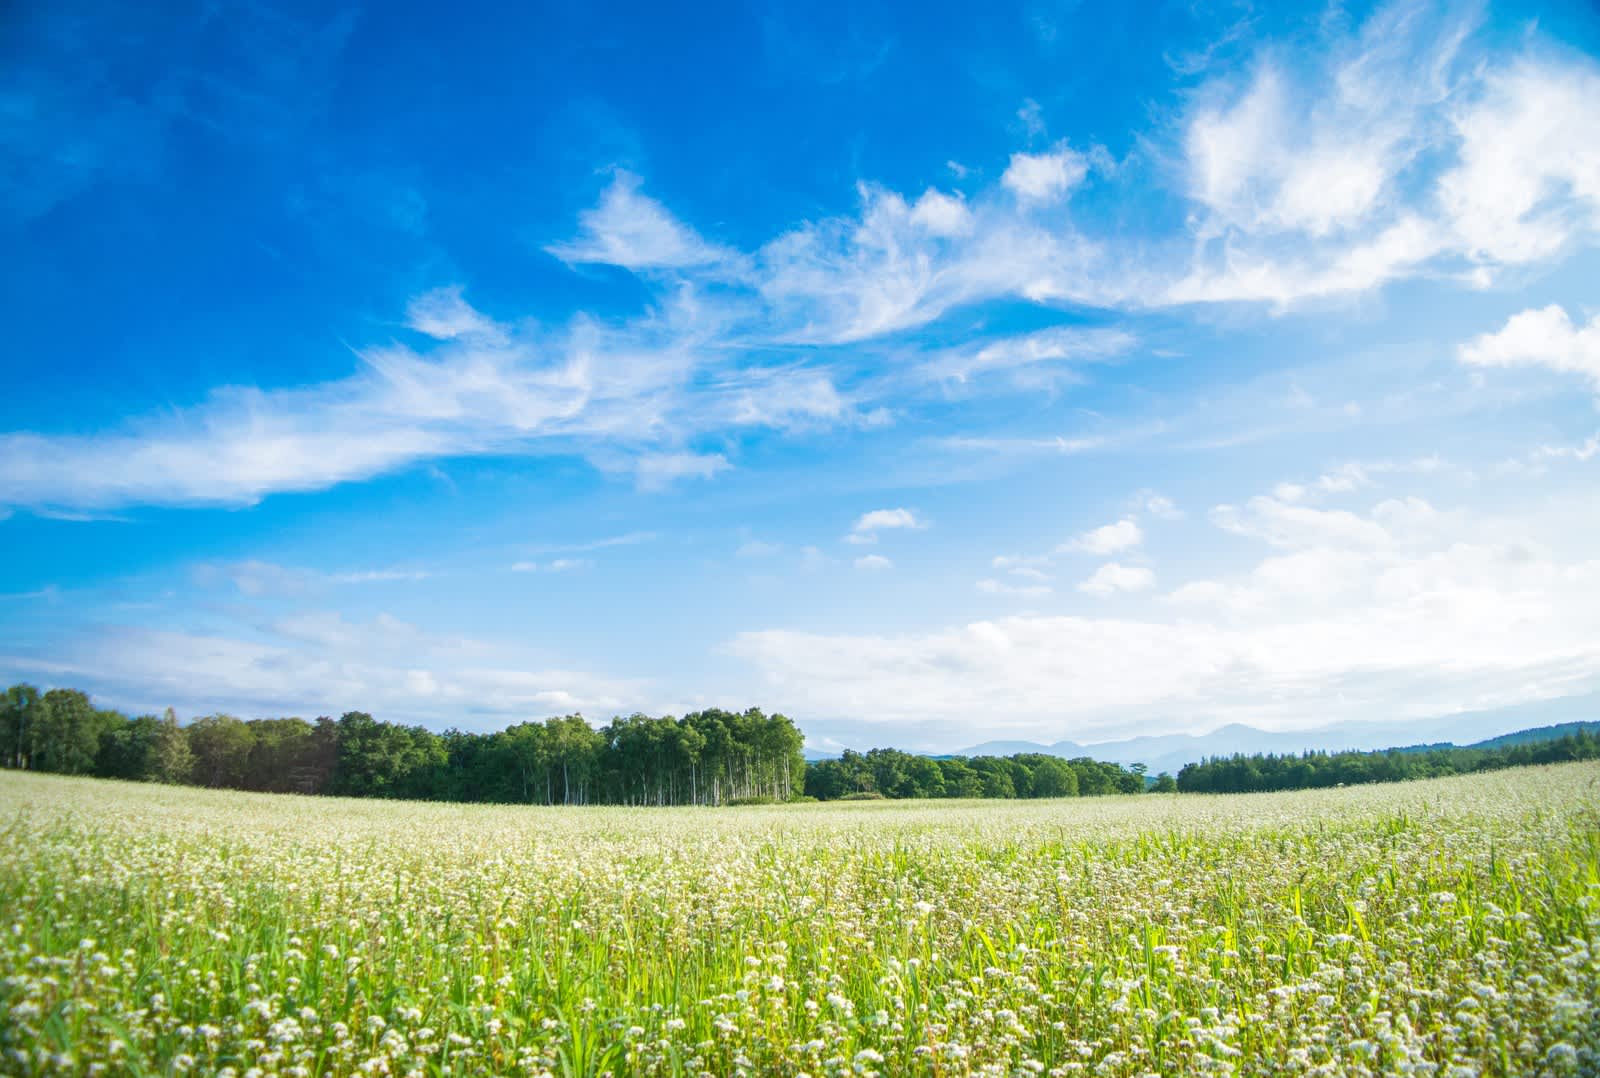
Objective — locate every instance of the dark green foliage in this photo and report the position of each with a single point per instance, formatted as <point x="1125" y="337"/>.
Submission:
<point x="65" y="735"/>
<point x="708" y="757"/>
<point x="895" y="774"/>
<point x="1248" y="774"/>
<point x="19" y="716"/>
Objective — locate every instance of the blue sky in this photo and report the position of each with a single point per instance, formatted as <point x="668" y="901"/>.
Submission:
<point x="929" y="375"/>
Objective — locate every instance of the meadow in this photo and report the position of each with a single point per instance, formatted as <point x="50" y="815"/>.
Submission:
<point x="1443" y="927"/>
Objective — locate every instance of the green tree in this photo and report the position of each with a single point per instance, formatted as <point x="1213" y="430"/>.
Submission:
<point x="19" y="714"/>
<point x="125" y="746"/>
<point x="221" y="747"/>
<point x="1053" y="778"/>
<point x="66" y="735"/>
<point x="170" y="759"/>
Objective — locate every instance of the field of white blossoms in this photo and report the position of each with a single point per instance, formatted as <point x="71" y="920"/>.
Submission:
<point x="1449" y="927"/>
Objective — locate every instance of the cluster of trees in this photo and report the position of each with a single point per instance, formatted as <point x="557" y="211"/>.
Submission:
<point x="895" y="774"/>
<point x="1247" y="774"/>
<point x="706" y="757"/>
<point x="710" y="757"/>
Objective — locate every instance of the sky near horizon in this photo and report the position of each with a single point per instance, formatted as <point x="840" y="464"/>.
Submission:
<point x="929" y="374"/>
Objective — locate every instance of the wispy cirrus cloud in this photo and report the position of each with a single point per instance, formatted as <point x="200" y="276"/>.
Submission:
<point x="260" y="579"/>
<point x="1403" y="149"/>
<point x="1411" y="145"/>
<point x="634" y="231"/>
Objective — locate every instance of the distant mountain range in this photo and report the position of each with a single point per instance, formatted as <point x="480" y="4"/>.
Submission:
<point x="1169" y="752"/>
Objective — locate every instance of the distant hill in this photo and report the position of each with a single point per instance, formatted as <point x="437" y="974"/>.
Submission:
<point x="1537" y="734"/>
<point x="1169" y="752"/>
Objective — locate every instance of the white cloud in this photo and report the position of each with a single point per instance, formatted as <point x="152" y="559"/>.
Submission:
<point x="1453" y="612"/>
<point x="874" y="562"/>
<point x="1527" y="182"/>
<point x="557" y="565"/>
<point x="1544" y="337"/>
<point x="321" y="663"/>
<point x="473" y="393"/>
<point x="1106" y="539"/>
<point x="1032" y="117"/>
<point x="1014" y="562"/>
<point x="1407" y="148"/>
<point x="1057" y="345"/>
<point x="882" y="271"/>
<point x="755" y="548"/>
<point x="1584" y="451"/>
<point x="1283" y="523"/>
<point x="264" y="579"/>
<point x="990" y="586"/>
<point x="369" y="576"/>
<point x="1112" y="578"/>
<point x="658" y="470"/>
<point x="1046" y="177"/>
<point x="941" y="214"/>
<point x="1157" y="505"/>
<point x="636" y="232"/>
<point x="868" y="525"/>
<point x="444" y="315"/>
<point x="625" y="539"/>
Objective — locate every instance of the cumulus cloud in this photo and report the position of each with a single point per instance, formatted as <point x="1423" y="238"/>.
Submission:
<point x="1106" y="539"/>
<point x="869" y="524"/>
<point x="874" y="563"/>
<point x="1112" y="578"/>
<point x="941" y="214"/>
<point x="1450" y="611"/>
<point x="1397" y="151"/>
<point x="991" y="586"/>
<point x="1045" y="177"/>
<point x="1157" y="505"/>
<point x="1543" y="337"/>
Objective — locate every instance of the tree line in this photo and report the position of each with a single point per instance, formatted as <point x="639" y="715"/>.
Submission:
<point x="1310" y="770"/>
<point x="891" y="773"/>
<point x="709" y="757"/>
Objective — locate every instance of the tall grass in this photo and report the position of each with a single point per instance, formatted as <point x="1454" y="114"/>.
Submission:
<point x="1447" y="927"/>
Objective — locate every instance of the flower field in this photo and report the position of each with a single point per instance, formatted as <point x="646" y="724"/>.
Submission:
<point x="1448" y="927"/>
